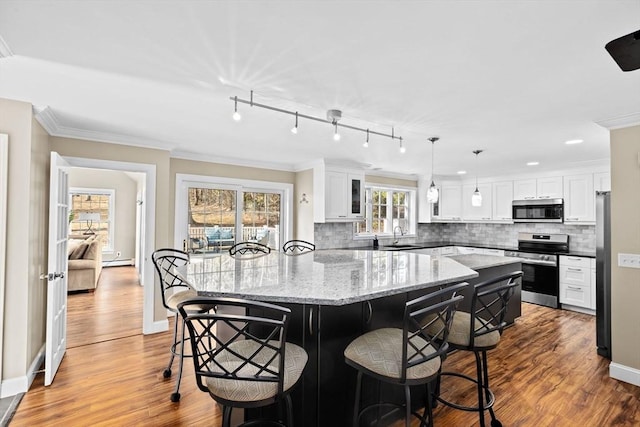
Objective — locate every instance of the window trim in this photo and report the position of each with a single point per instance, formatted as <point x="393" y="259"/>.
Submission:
<point x="111" y="192"/>
<point x="184" y="181"/>
<point x="412" y="206"/>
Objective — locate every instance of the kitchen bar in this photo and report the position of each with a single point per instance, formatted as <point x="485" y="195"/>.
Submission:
<point x="334" y="295"/>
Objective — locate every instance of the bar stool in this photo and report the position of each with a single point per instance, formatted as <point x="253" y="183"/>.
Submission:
<point x="479" y="331"/>
<point x="173" y="290"/>
<point x="409" y="356"/>
<point x="241" y="356"/>
<point x="295" y="247"/>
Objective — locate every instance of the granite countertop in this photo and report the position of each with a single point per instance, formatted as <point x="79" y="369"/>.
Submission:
<point x="439" y="244"/>
<point x="325" y="277"/>
<point x="478" y="262"/>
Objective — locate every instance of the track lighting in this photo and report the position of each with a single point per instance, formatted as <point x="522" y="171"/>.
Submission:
<point x="236" y="115"/>
<point x="476" y="198"/>
<point x="332" y="118"/>
<point x="402" y="149"/>
<point x="432" y="193"/>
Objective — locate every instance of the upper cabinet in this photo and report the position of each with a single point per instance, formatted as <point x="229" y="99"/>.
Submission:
<point x="579" y="198"/>
<point x="602" y="181"/>
<point x="344" y="195"/>
<point x="541" y="188"/>
<point x="449" y="206"/>
<point x="477" y="213"/>
<point x="502" y="201"/>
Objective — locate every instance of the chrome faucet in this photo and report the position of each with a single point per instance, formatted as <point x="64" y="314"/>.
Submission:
<point x="395" y="239"/>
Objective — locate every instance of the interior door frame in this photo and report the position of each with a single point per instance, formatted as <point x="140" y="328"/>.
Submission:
<point x="4" y="173"/>
<point x="148" y="231"/>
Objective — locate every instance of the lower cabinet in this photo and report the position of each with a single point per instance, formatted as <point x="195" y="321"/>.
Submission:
<point x="577" y="288"/>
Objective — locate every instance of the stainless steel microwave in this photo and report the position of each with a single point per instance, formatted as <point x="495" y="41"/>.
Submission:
<point x="538" y="210"/>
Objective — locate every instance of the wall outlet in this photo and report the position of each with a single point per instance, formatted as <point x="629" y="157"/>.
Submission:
<point x="118" y="253"/>
<point x="629" y="260"/>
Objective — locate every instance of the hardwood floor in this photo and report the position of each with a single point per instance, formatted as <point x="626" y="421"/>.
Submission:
<point x="113" y="310"/>
<point x="545" y="372"/>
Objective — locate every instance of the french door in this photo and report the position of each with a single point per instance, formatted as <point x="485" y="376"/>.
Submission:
<point x="220" y="216"/>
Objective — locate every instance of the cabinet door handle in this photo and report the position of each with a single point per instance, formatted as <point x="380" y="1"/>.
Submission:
<point x="574" y="269"/>
<point x="544" y="197"/>
<point x="572" y="258"/>
<point x="529" y="197"/>
<point x="575" y="288"/>
<point x="311" y="321"/>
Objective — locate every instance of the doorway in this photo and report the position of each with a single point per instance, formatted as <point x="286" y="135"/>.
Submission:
<point x="145" y="232"/>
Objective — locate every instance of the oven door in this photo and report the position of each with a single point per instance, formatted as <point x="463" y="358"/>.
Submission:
<point x="540" y="283"/>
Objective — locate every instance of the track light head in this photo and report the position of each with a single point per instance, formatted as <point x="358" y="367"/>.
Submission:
<point x="236" y="116"/>
<point x="402" y="147"/>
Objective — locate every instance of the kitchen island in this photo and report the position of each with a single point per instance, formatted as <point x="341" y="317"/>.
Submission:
<point x="335" y="296"/>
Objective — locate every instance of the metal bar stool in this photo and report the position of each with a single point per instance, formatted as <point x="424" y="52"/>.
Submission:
<point x="241" y="357"/>
<point x="173" y="290"/>
<point x="479" y="331"/>
<point x="409" y="356"/>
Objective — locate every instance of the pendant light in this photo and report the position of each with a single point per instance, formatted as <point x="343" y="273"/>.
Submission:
<point x="432" y="193"/>
<point x="294" y="130"/>
<point x="476" y="198"/>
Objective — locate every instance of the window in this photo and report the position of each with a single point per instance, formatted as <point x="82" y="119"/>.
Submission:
<point x="385" y="209"/>
<point x="212" y="213"/>
<point x="91" y="212"/>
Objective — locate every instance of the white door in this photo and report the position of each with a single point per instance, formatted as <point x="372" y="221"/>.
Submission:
<point x="56" y="343"/>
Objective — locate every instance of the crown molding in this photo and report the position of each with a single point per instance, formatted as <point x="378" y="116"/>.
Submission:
<point x="49" y="121"/>
<point x="199" y="157"/>
<point x="5" y="50"/>
<point x="620" y="122"/>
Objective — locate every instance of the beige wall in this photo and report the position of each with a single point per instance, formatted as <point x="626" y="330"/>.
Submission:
<point x="383" y="180"/>
<point x="124" y="238"/>
<point x="625" y="238"/>
<point x="27" y="226"/>
<point x="124" y="153"/>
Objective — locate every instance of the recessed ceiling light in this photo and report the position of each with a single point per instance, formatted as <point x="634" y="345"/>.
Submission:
<point x="461" y="172"/>
<point x="533" y="163"/>
<point x="574" y="141"/>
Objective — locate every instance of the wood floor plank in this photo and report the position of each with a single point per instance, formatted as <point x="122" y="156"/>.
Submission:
<point x="544" y="372"/>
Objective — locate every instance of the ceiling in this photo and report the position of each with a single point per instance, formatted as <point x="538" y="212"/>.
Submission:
<point x="516" y="79"/>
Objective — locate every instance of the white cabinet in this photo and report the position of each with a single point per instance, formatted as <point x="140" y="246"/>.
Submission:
<point x="549" y="188"/>
<point x="465" y="250"/>
<point x="541" y="188"/>
<point x="425" y="209"/>
<point x="579" y="198"/>
<point x="602" y="181"/>
<point x="449" y="205"/>
<point x="502" y="198"/>
<point x="576" y="285"/>
<point x="476" y="213"/>
<point x="448" y="250"/>
<point x="524" y="189"/>
<point x="344" y="195"/>
<point x="496" y="252"/>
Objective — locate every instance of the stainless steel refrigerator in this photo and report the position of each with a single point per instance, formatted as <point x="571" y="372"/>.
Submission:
<point x="603" y="273"/>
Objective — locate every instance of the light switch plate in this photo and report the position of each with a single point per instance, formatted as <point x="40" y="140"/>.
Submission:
<point x="629" y="260"/>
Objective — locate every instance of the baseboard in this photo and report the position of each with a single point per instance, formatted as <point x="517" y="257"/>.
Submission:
<point x="624" y="373"/>
<point x="118" y="262"/>
<point x="156" y="327"/>
<point x="14" y="386"/>
<point x="578" y="309"/>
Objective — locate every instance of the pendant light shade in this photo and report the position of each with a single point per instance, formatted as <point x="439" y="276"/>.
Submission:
<point x="476" y="198"/>
<point x="432" y="192"/>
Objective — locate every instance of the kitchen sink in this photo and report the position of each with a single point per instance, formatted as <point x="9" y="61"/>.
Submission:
<point x="399" y="247"/>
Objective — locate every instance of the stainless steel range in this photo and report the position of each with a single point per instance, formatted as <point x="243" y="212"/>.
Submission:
<point x="539" y="254"/>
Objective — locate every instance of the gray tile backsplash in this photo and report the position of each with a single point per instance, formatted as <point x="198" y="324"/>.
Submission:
<point x="582" y="237"/>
